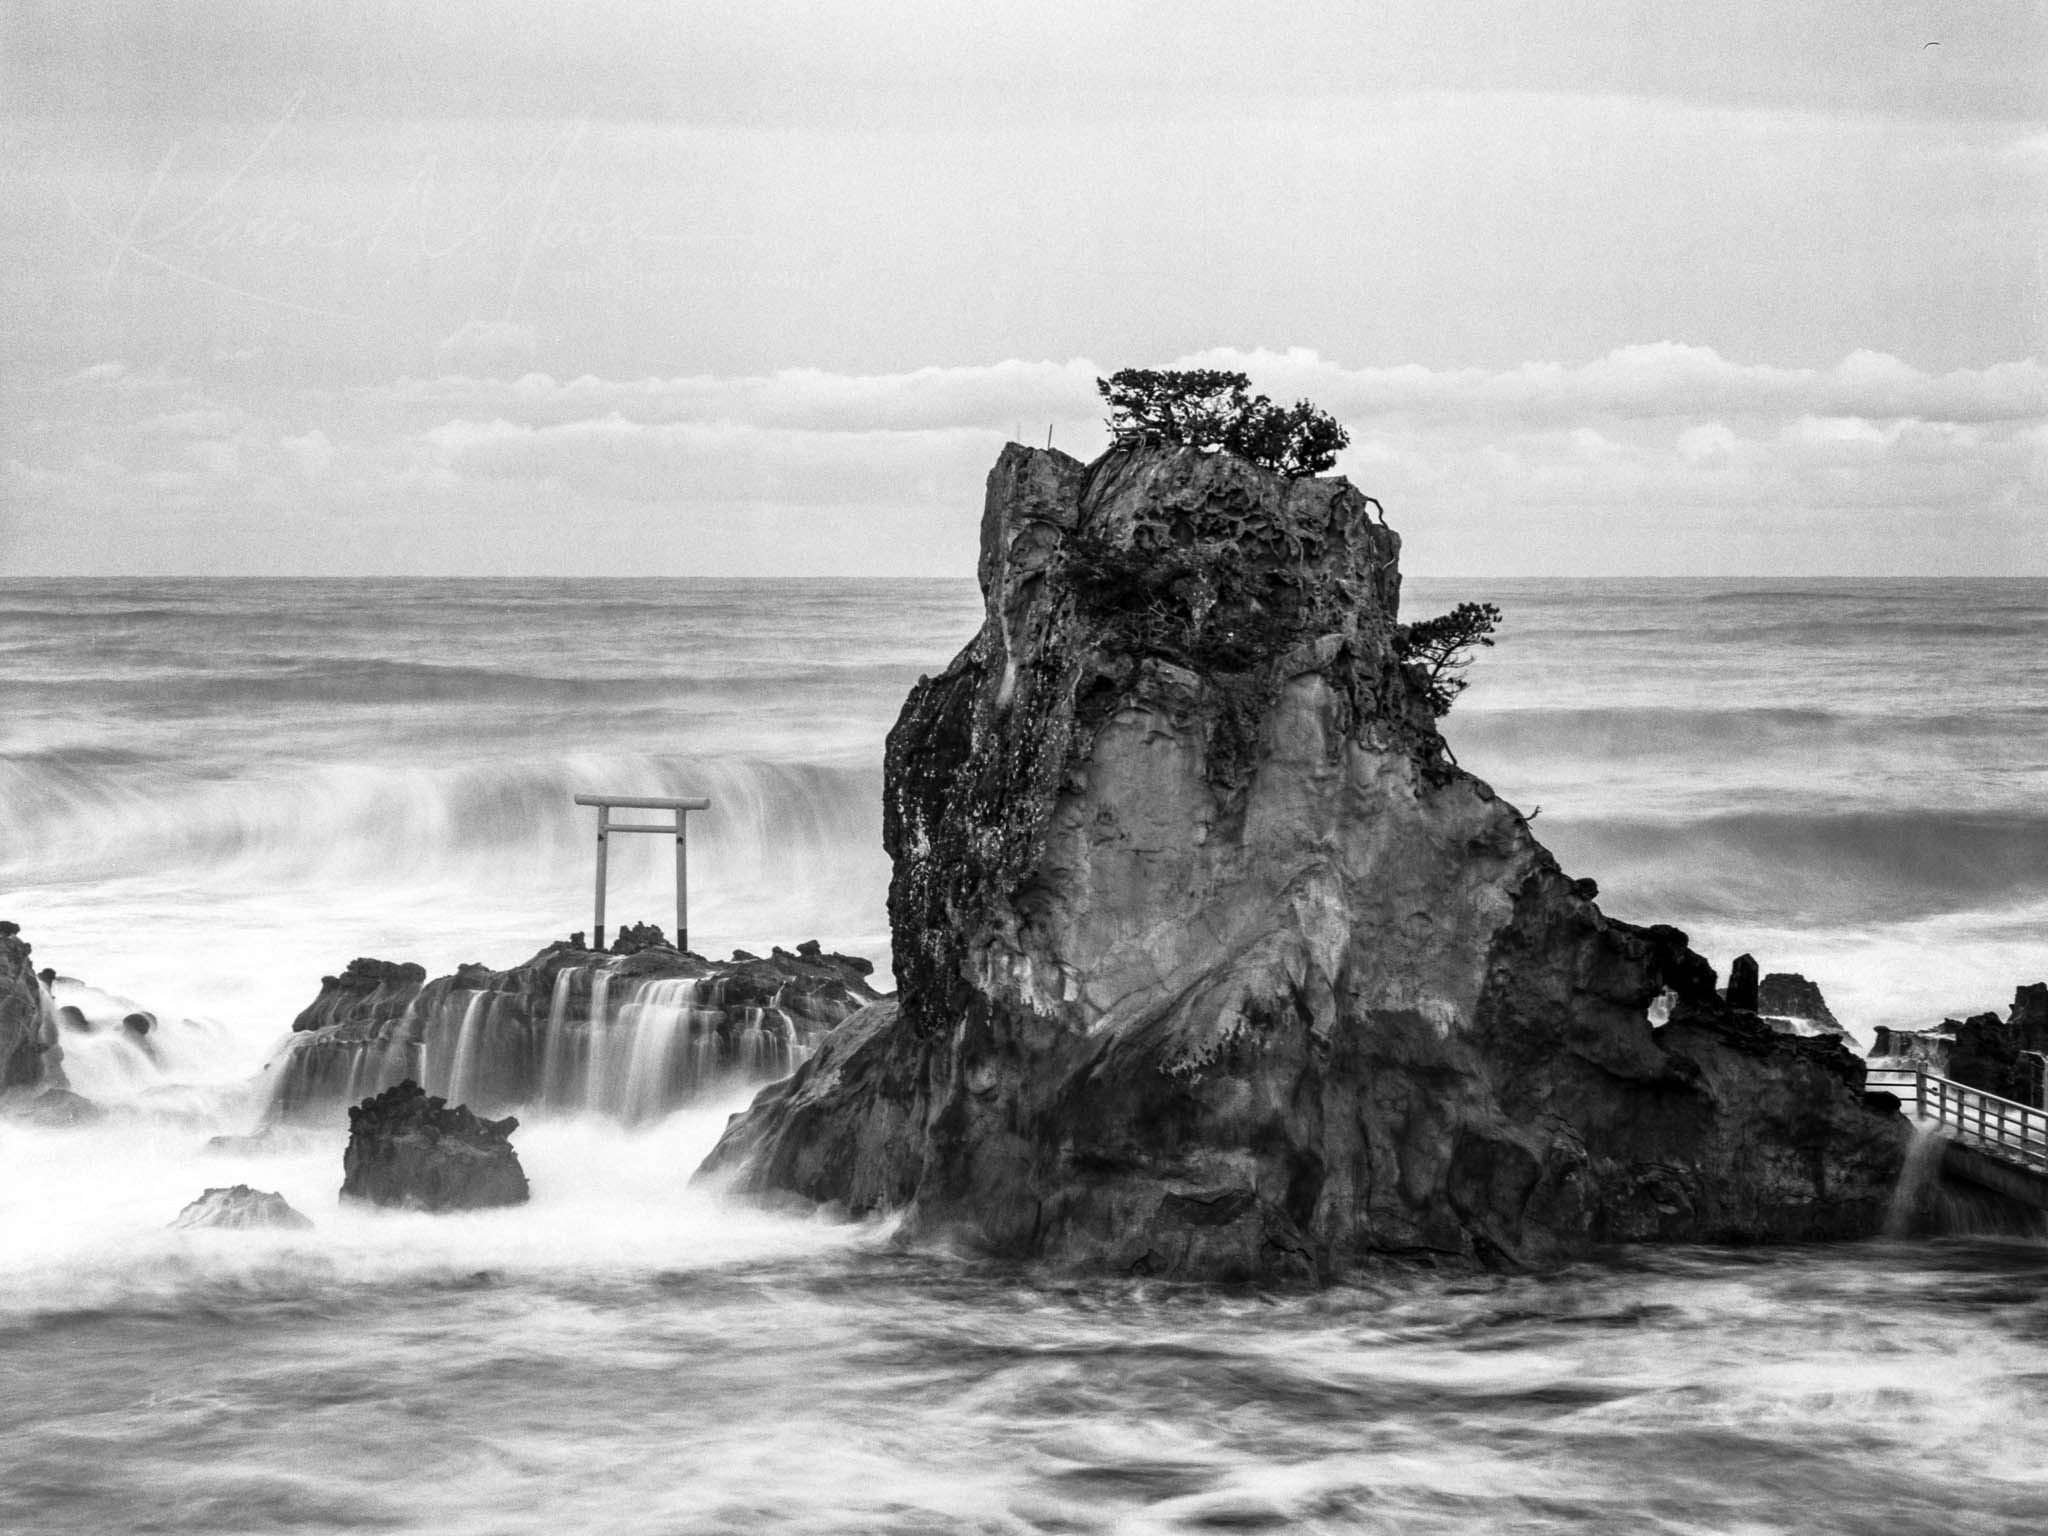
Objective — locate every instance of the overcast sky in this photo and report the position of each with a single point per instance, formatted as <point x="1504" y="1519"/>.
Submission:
<point x="600" y="287"/>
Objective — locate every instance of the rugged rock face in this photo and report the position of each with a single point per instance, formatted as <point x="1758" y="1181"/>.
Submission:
<point x="406" y="1149"/>
<point x="29" y="1053"/>
<point x="1213" y="963"/>
<point x="633" y="1033"/>
<point x="1790" y="996"/>
<point x="239" y="1206"/>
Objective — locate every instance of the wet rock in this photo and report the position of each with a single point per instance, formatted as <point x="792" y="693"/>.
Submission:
<point x="139" y="1023"/>
<point x="2028" y="1017"/>
<point x="1926" y="1049"/>
<point x="1789" y="995"/>
<point x="238" y="1206"/>
<point x="634" y="937"/>
<point x="1742" y="983"/>
<point x="365" y="990"/>
<point x="409" y="1150"/>
<point x="29" y="1053"/>
<point x="1213" y="963"/>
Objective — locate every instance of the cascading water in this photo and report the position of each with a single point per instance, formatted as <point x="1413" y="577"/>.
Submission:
<point x="627" y="1047"/>
<point x="117" y="1054"/>
<point x="1926" y="1203"/>
<point x="1916" y="1198"/>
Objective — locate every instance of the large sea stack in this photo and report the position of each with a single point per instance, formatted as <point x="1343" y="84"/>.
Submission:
<point x="1213" y="963"/>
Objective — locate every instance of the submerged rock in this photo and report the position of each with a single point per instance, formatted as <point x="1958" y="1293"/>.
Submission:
<point x="239" y="1206"/>
<point x="407" y="1149"/>
<point x="632" y="1035"/>
<point x="51" y="1107"/>
<point x="1213" y="962"/>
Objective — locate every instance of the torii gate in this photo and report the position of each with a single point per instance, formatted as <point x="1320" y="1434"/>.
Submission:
<point x="606" y="804"/>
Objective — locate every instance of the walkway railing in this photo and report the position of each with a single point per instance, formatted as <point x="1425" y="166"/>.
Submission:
<point x="2017" y="1133"/>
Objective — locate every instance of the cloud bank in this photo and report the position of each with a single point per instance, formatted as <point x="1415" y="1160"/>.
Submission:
<point x="1661" y="458"/>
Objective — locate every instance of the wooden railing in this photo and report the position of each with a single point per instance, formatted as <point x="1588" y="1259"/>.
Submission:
<point x="2017" y="1133"/>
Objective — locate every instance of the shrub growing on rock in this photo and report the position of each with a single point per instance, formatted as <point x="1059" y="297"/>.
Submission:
<point x="1441" y="649"/>
<point x="1212" y="408"/>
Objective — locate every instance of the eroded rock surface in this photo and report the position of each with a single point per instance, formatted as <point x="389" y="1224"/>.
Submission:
<point x="239" y="1206"/>
<point x="366" y="992"/>
<point x="1790" y="996"/>
<point x="421" y="1153"/>
<point x="1213" y="963"/>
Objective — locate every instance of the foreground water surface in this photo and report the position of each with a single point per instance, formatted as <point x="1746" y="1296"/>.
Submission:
<point x="212" y="793"/>
<point x="629" y="1354"/>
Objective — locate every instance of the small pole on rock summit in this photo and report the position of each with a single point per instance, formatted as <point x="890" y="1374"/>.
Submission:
<point x="680" y="830"/>
<point x="1048" y="434"/>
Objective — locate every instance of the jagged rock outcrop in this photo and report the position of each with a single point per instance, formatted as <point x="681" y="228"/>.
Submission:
<point x="1742" y="984"/>
<point x="29" y="1053"/>
<point x="240" y="1207"/>
<point x="408" y="1149"/>
<point x="1789" y="996"/>
<point x="365" y="992"/>
<point x="1213" y="963"/>
<point x="633" y="1033"/>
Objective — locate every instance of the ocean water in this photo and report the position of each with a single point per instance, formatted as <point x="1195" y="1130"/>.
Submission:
<point x="213" y="793"/>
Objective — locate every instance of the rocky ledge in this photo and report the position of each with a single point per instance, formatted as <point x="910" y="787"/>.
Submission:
<point x="1213" y="963"/>
<point x="632" y="1032"/>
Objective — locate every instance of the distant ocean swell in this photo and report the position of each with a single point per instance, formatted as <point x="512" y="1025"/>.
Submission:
<point x="73" y="821"/>
<point x="226" y="780"/>
<point x="178" y="685"/>
<point x="1597" y="735"/>
<point x="1823" y="867"/>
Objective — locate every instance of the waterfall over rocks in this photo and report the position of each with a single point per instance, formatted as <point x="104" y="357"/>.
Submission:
<point x="629" y="1036"/>
<point x="1214" y="963"/>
